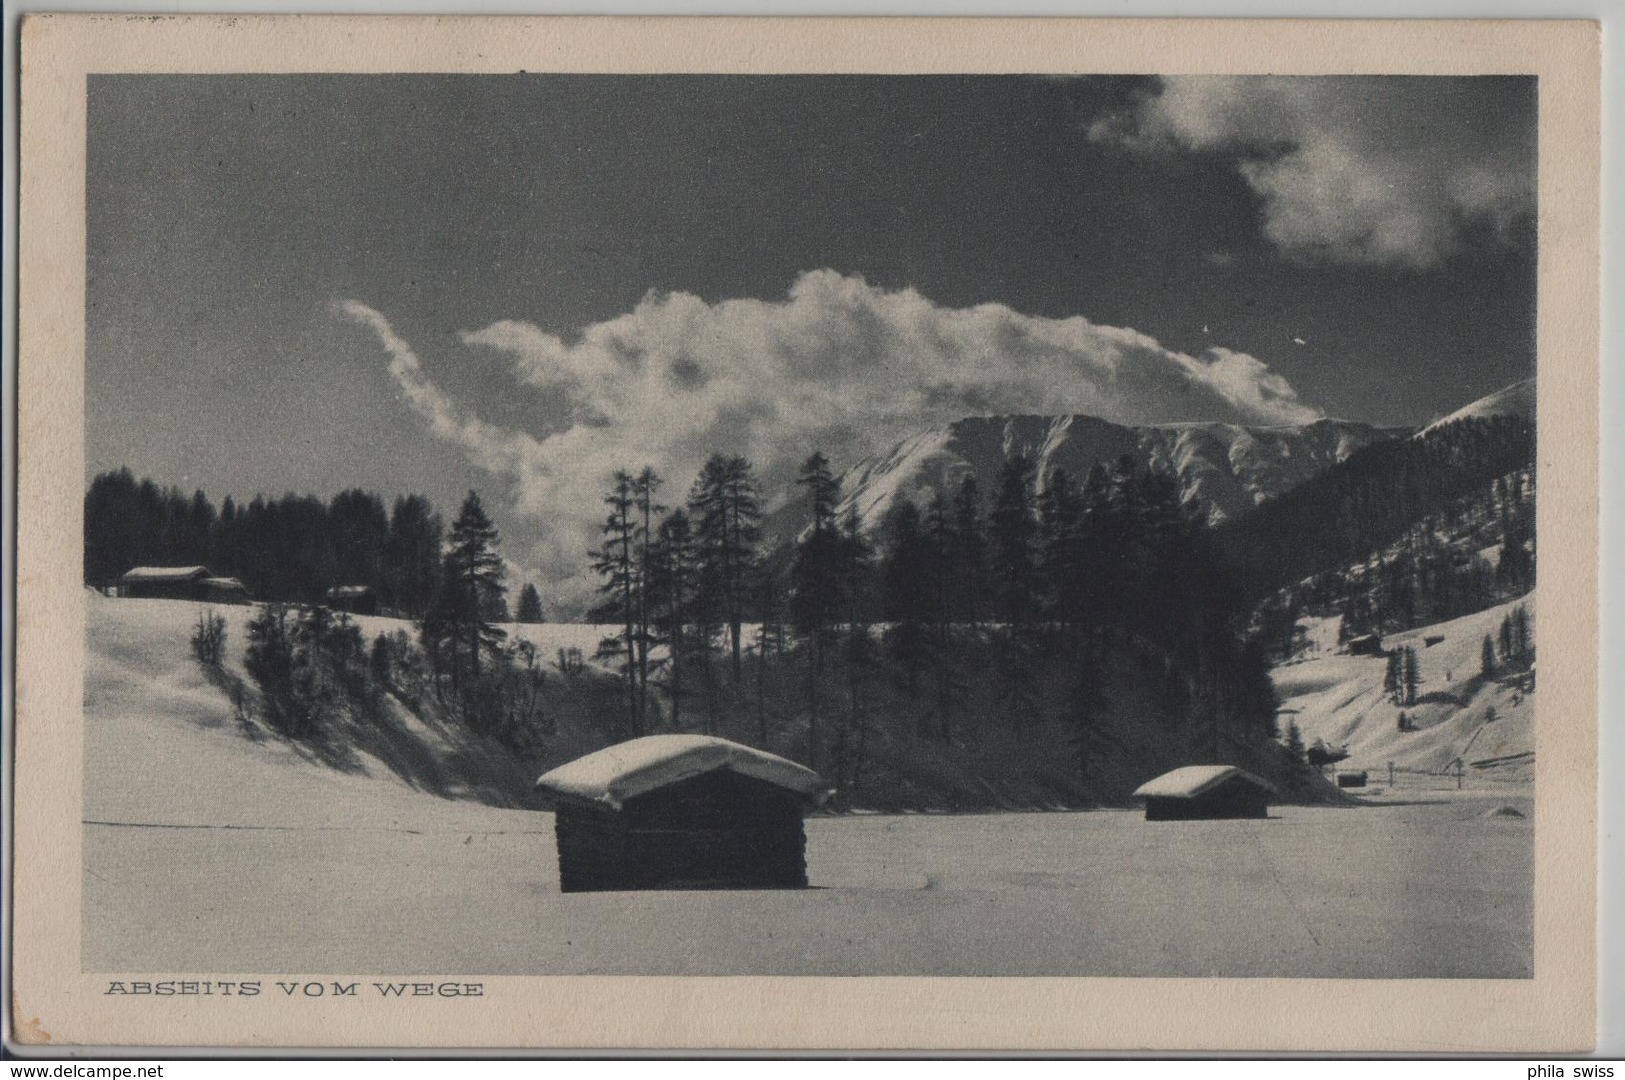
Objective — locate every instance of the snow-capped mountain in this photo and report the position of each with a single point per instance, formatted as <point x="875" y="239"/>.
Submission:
<point x="1222" y="468"/>
<point x="1516" y="400"/>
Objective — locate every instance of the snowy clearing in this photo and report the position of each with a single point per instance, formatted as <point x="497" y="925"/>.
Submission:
<point x="206" y="851"/>
<point x="1432" y="890"/>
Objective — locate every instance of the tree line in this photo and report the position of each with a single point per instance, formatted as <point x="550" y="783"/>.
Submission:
<point x="290" y="549"/>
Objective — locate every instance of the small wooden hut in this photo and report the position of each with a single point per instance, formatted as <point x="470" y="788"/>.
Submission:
<point x="681" y="812"/>
<point x="1205" y="791"/>
<point x="1365" y="645"/>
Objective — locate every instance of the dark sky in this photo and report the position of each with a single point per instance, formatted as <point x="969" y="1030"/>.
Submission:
<point x="1385" y="224"/>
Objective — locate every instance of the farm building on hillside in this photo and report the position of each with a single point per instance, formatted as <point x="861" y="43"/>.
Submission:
<point x="681" y="812"/>
<point x="1365" y="645"/>
<point x="181" y="583"/>
<point x="356" y="599"/>
<point x="1205" y="791"/>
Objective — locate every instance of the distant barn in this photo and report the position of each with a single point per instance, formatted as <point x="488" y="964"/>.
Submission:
<point x="356" y="599"/>
<point x="1365" y="645"/>
<point x="681" y="812"/>
<point x="181" y="583"/>
<point x="1205" y="791"/>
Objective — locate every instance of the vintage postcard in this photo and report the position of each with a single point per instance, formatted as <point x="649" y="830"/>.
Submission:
<point x="807" y="534"/>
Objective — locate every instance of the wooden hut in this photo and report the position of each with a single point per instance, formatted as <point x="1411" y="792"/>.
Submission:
<point x="1365" y="645"/>
<point x="165" y="583"/>
<point x="681" y="812"/>
<point x="181" y="583"/>
<point x="356" y="599"/>
<point x="1205" y="791"/>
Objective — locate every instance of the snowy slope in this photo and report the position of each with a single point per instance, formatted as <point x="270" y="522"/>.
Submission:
<point x="1339" y="698"/>
<point x="1516" y="400"/>
<point x="164" y="744"/>
<point x="1222" y="468"/>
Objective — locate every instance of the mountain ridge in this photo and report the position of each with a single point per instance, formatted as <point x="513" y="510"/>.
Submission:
<point x="1222" y="468"/>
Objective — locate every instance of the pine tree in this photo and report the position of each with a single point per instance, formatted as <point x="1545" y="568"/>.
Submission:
<point x="1393" y="679"/>
<point x="644" y="488"/>
<point x="360" y="531"/>
<point x="1013" y="532"/>
<point x="1294" y="742"/>
<point x="412" y="555"/>
<point x="530" y="604"/>
<point x="1060" y="523"/>
<point x="112" y="528"/>
<point x="853" y="569"/>
<point x="671" y="591"/>
<point x="768" y="631"/>
<point x="726" y="507"/>
<point x="909" y="579"/>
<point x="1517" y="634"/>
<point x="1013" y="538"/>
<point x="1412" y="675"/>
<point x="814" y="574"/>
<point x="472" y="579"/>
<point x="1487" y="658"/>
<point x="616" y="563"/>
<point x="952" y="560"/>
<point x="816" y="564"/>
<point x="962" y="545"/>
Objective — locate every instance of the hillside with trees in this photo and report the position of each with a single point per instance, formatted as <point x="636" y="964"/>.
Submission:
<point x="1361" y="505"/>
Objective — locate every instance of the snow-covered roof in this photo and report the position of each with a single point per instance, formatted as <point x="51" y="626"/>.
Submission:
<point x="617" y="773"/>
<point x="224" y="583"/>
<point x="167" y="573"/>
<point x="349" y="590"/>
<point x="1192" y="780"/>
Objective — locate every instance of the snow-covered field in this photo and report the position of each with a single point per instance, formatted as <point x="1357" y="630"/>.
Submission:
<point x="208" y="852"/>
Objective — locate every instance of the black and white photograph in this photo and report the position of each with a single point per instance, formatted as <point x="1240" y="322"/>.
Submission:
<point x="809" y="524"/>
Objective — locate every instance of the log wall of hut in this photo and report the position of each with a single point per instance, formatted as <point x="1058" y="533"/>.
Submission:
<point x="1235" y="799"/>
<point x="720" y="830"/>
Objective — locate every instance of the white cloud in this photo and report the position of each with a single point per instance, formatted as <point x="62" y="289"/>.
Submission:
<point x="1375" y="170"/>
<point x="838" y="365"/>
